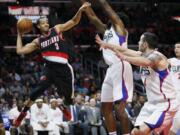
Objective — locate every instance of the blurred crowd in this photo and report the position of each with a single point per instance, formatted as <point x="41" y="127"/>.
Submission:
<point x="151" y="16"/>
<point x="20" y="74"/>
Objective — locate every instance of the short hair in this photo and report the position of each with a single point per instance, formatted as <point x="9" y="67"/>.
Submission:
<point x="151" y="39"/>
<point x="124" y="17"/>
<point x="41" y="17"/>
<point x="177" y="43"/>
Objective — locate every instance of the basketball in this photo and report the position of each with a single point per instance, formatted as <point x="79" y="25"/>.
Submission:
<point x="24" y="25"/>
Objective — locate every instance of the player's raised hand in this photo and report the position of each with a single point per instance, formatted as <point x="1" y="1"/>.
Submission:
<point x="85" y="6"/>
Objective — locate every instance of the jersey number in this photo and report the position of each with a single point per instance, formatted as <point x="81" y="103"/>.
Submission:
<point x="57" y="46"/>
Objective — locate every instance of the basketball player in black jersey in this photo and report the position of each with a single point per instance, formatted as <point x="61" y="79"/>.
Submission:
<point x="57" y="71"/>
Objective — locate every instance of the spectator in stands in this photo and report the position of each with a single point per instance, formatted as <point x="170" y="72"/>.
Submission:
<point x="2" y="130"/>
<point x="98" y="99"/>
<point x="57" y="118"/>
<point x="94" y="119"/>
<point x="2" y="89"/>
<point x="40" y="118"/>
<point x="79" y="117"/>
<point x="25" y="127"/>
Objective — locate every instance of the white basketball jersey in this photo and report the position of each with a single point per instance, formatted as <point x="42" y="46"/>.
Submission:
<point x="175" y="70"/>
<point x="110" y="36"/>
<point x="159" y="85"/>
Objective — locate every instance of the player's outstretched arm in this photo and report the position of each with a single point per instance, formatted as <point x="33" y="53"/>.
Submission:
<point x="117" y="22"/>
<point x="116" y="48"/>
<point x="74" y="21"/>
<point x="100" y="26"/>
<point x="28" y="48"/>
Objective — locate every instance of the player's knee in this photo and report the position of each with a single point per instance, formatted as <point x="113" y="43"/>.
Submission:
<point x="175" y="126"/>
<point x="120" y="108"/>
<point x="107" y="108"/>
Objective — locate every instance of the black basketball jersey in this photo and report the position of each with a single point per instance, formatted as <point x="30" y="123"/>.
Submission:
<point x="53" y="47"/>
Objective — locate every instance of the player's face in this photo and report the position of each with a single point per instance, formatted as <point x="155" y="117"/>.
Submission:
<point x="44" y="25"/>
<point x="20" y="104"/>
<point x="53" y="104"/>
<point x="177" y="50"/>
<point x="92" y="102"/>
<point x="39" y="104"/>
<point x="141" y="44"/>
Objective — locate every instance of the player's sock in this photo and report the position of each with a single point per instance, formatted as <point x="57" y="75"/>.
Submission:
<point x="113" y="133"/>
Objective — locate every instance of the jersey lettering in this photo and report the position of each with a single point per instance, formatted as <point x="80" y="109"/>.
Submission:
<point x="175" y="68"/>
<point x="108" y="36"/>
<point x="50" y="41"/>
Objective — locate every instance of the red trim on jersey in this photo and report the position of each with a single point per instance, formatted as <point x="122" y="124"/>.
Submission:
<point x="58" y="54"/>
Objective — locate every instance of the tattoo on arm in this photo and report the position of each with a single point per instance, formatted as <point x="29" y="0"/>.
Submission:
<point x="154" y="57"/>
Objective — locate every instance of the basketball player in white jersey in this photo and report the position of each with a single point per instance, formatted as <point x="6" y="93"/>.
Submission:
<point x="117" y="88"/>
<point x="175" y="70"/>
<point x="158" y="112"/>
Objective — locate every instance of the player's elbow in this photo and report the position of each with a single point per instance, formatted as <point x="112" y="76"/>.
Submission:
<point x="19" y="52"/>
<point x="146" y="63"/>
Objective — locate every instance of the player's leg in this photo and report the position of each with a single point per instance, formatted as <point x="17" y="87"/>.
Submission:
<point x="176" y="124"/>
<point x="153" y="118"/>
<point x="64" y="81"/>
<point x="107" y="105"/>
<point x="122" y="116"/>
<point x="44" y="83"/>
<point x="122" y="91"/>
<point x="140" y="128"/>
<point x="107" y="111"/>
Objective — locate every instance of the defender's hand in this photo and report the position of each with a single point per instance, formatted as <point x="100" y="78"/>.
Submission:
<point x="100" y="42"/>
<point x="85" y="6"/>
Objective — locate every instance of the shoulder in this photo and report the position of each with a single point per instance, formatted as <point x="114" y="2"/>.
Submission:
<point x="156" y="56"/>
<point x="12" y="110"/>
<point x="58" y="28"/>
<point x="36" y="41"/>
<point x="172" y="59"/>
<point x="120" y="30"/>
<point x="33" y="106"/>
